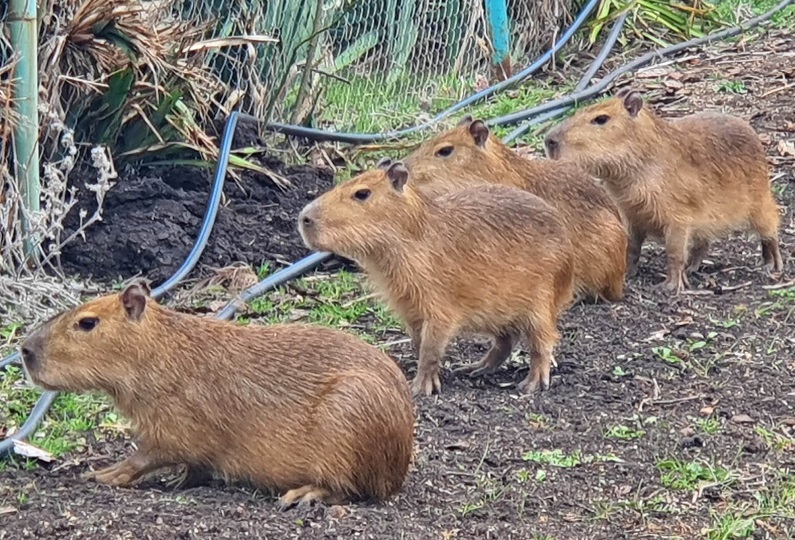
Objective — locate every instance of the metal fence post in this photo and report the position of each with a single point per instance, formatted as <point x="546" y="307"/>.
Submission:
<point x="23" y="25"/>
<point x="497" y="14"/>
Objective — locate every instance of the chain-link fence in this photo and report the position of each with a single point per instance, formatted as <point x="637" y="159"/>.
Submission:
<point x="376" y="64"/>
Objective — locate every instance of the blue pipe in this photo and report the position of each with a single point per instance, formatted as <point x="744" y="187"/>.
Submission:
<point x="363" y="138"/>
<point x="497" y="14"/>
<point x="584" y="81"/>
<point x="47" y="398"/>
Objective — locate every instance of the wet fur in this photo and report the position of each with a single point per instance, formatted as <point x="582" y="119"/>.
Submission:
<point x="591" y="218"/>
<point x="686" y="181"/>
<point x="490" y="259"/>
<point x="286" y="406"/>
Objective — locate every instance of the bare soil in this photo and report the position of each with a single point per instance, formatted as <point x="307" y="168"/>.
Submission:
<point x="470" y="479"/>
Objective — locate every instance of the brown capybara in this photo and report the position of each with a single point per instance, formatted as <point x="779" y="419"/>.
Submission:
<point x="305" y="409"/>
<point x="684" y="181"/>
<point x="488" y="259"/>
<point x="470" y="154"/>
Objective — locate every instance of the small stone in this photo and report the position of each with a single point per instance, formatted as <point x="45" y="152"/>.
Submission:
<point x="755" y="446"/>
<point x="742" y="419"/>
<point x="692" y="442"/>
<point x="337" y="511"/>
<point x="706" y="411"/>
<point x="687" y="432"/>
<point x="788" y="421"/>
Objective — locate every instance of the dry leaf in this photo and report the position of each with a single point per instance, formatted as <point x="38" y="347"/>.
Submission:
<point x="673" y="84"/>
<point x="742" y="419"/>
<point x="28" y="450"/>
<point x="786" y="148"/>
<point x="653" y="73"/>
<point x="706" y="411"/>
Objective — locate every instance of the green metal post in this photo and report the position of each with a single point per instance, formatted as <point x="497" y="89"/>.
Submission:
<point x="23" y="24"/>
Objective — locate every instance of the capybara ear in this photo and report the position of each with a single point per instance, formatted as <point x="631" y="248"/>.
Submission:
<point x="384" y="163"/>
<point x="134" y="299"/>
<point x="398" y="175"/>
<point x="465" y="121"/>
<point x="480" y="132"/>
<point x="633" y="103"/>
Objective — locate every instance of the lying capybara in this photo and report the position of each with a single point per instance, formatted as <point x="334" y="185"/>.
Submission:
<point x="469" y="155"/>
<point x="307" y="409"/>
<point x="488" y="259"/>
<point x="685" y="181"/>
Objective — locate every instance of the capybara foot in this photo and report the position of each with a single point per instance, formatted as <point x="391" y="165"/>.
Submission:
<point x="534" y="384"/>
<point x="124" y="473"/>
<point x="426" y="383"/>
<point x="191" y="476"/>
<point x="306" y="495"/>
<point x="674" y="285"/>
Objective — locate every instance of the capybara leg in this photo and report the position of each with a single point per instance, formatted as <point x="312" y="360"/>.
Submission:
<point x="192" y="476"/>
<point x="415" y="333"/>
<point x="128" y="471"/>
<point x="698" y="250"/>
<point x="614" y="291"/>
<point x="636" y="238"/>
<point x="306" y="495"/>
<point x="765" y="222"/>
<point x="541" y="340"/>
<point x="434" y="343"/>
<point x="676" y="251"/>
<point x="499" y="352"/>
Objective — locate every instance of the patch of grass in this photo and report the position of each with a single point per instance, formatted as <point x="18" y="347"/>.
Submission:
<point x="732" y="87"/>
<point x="734" y="11"/>
<point x="689" y="475"/>
<point x="557" y="458"/>
<point x="775" y="440"/>
<point x="708" y="426"/>
<point x="625" y="433"/>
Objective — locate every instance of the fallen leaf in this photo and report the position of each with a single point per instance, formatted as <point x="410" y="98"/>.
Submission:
<point x="786" y="148"/>
<point x="673" y="84"/>
<point x="788" y="421"/>
<point x="742" y="419"/>
<point x="28" y="450"/>
<point x="676" y="75"/>
<point x="7" y="510"/>
<point x="706" y="411"/>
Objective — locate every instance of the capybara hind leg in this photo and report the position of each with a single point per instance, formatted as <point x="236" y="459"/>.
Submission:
<point x="676" y="251"/>
<point x="541" y="340"/>
<point x="614" y="292"/>
<point x="306" y="495"/>
<point x="499" y="352"/>
<point x="634" y="247"/>
<point x="415" y="333"/>
<point x="698" y="250"/>
<point x="434" y="343"/>
<point x="128" y="471"/>
<point x="765" y="222"/>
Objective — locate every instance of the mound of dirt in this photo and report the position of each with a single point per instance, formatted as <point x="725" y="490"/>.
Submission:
<point x="151" y="219"/>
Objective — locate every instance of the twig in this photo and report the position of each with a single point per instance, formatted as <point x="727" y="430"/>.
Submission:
<point x="776" y="90"/>
<point x="735" y="287"/>
<point x="779" y="286"/>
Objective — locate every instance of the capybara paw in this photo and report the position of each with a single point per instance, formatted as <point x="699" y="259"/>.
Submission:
<point x="673" y="285"/>
<point x="534" y="385"/>
<point x="305" y="496"/>
<point x="117" y="475"/>
<point x="426" y="384"/>
<point x="476" y="369"/>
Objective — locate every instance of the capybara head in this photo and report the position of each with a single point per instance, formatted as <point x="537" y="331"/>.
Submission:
<point x="466" y="154"/>
<point x="357" y="216"/>
<point x="608" y="131"/>
<point x="88" y="347"/>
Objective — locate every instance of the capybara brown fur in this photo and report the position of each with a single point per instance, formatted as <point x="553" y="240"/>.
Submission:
<point x="469" y="154"/>
<point x="685" y="181"/>
<point x="305" y="409"/>
<point x="489" y="259"/>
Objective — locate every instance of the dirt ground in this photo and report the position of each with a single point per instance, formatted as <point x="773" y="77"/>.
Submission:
<point x="716" y="401"/>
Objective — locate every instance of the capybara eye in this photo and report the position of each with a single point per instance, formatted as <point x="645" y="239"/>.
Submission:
<point x="87" y="324"/>
<point x="600" y="120"/>
<point x="444" y="151"/>
<point x="361" y="195"/>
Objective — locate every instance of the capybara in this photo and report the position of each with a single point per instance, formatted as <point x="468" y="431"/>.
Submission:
<point x="470" y="154"/>
<point x="489" y="259"/>
<point x="305" y="409"/>
<point x="684" y="181"/>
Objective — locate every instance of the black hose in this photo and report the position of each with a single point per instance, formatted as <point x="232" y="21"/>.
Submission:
<point x="47" y="398"/>
<point x="364" y="138"/>
<point x="596" y="89"/>
<point x="584" y="81"/>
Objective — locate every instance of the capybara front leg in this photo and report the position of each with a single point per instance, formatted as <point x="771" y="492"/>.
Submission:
<point x="698" y="250"/>
<point x="128" y="471"/>
<point x="676" y="238"/>
<point x="636" y="238"/>
<point x="541" y="341"/>
<point x="499" y="352"/>
<point x="306" y="495"/>
<point x="434" y="343"/>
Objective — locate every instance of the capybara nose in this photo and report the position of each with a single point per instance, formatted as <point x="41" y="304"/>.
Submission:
<point x="307" y="220"/>
<point x="307" y="217"/>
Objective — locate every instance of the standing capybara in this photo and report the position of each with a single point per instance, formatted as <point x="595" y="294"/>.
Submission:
<point x="489" y="259"/>
<point x="302" y="408"/>
<point x="469" y="155"/>
<point x="686" y="181"/>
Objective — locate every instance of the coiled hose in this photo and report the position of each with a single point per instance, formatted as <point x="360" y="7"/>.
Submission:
<point x="47" y="398"/>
